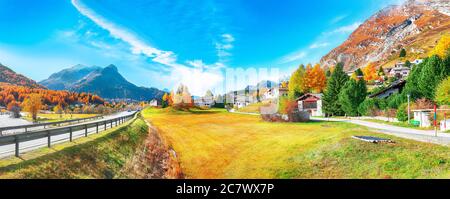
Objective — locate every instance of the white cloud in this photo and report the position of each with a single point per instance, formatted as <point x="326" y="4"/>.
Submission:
<point x="224" y="46"/>
<point x="194" y="78"/>
<point x="293" y="57"/>
<point x="138" y="46"/>
<point x="228" y="38"/>
<point x="346" y="29"/>
<point x="319" y="45"/>
<point x="338" y="19"/>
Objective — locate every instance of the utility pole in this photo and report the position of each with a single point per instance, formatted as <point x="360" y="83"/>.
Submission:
<point x="408" y="109"/>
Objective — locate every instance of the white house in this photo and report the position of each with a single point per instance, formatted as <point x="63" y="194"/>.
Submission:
<point x="423" y="116"/>
<point x="154" y="103"/>
<point x="205" y="101"/>
<point x="400" y="70"/>
<point x="445" y="125"/>
<point x="272" y="93"/>
<point x="311" y="103"/>
<point x="395" y="87"/>
<point x="243" y="100"/>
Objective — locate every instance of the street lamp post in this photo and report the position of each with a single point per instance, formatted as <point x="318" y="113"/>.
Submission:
<point x="408" y="109"/>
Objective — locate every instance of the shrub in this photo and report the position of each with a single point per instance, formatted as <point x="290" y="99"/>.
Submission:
<point x="402" y="114"/>
<point x="423" y="103"/>
<point x="394" y="101"/>
<point x="367" y="107"/>
<point x="402" y="53"/>
<point x="272" y="117"/>
<point x="283" y="102"/>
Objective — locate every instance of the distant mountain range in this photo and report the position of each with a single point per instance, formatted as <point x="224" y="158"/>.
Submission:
<point x="262" y="87"/>
<point x="415" y="26"/>
<point x="265" y="84"/>
<point x="106" y="82"/>
<point x="9" y="76"/>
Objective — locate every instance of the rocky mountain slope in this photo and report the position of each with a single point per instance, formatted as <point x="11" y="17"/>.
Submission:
<point x="64" y="79"/>
<point x="416" y="26"/>
<point x="106" y="82"/>
<point x="9" y="76"/>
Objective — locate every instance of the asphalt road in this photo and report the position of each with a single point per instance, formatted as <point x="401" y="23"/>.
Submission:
<point x="9" y="150"/>
<point x="6" y="120"/>
<point x="408" y="133"/>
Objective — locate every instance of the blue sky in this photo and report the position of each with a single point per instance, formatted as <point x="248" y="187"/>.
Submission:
<point x="159" y="44"/>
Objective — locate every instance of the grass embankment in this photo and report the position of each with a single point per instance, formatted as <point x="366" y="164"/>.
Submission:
<point x="217" y="144"/>
<point x="102" y="157"/>
<point x="53" y="117"/>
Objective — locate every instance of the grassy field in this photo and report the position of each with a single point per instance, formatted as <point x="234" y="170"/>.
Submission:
<point x="53" y="117"/>
<point x="217" y="144"/>
<point x="253" y="108"/>
<point x="102" y="155"/>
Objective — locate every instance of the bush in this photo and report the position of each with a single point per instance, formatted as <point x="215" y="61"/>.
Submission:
<point x="394" y="101"/>
<point x="423" y="103"/>
<point x="402" y="114"/>
<point x="367" y="107"/>
<point x="272" y="117"/>
<point x="372" y="106"/>
<point x="283" y="103"/>
<point x="219" y="105"/>
<point x="402" y="53"/>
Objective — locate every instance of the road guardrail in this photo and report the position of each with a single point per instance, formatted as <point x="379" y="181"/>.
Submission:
<point x="16" y="139"/>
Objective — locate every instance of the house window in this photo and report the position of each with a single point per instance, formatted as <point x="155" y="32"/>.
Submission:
<point x="309" y="105"/>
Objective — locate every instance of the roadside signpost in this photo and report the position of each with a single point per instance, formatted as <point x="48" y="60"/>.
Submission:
<point x="435" y="121"/>
<point x="445" y="121"/>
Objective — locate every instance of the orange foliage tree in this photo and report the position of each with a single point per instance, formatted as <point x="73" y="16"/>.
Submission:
<point x="32" y="105"/>
<point x="319" y="80"/>
<point x="315" y="79"/>
<point x="370" y="72"/>
<point x="9" y="93"/>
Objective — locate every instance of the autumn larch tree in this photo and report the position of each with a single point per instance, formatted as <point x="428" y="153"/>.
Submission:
<point x="165" y="100"/>
<point x="296" y="82"/>
<point x="14" y="107"/>
<point x="443" y="47"/>
<point x="58" y="109"/>
<point x="32" y="105"/>
<point x="307" y="79"/>
<point x="370" y="72"/>
<point x="317" y="79"/>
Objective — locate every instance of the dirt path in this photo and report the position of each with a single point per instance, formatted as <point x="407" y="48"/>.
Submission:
<point x="155" y="160"/>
